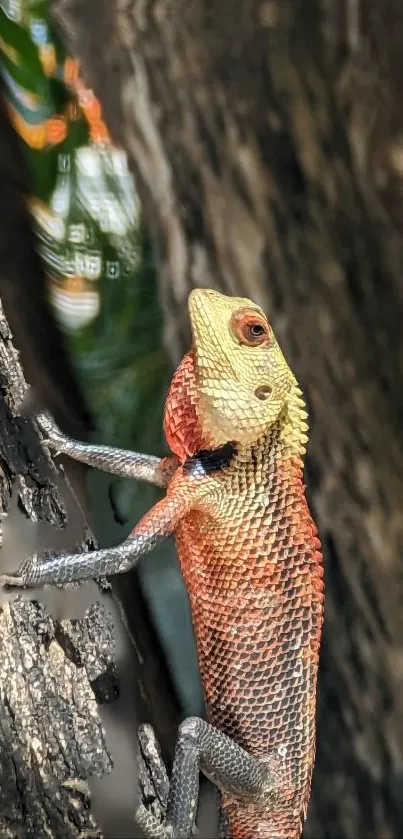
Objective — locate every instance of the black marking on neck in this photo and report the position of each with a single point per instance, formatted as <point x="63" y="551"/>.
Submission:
<point x="209" y="460"/>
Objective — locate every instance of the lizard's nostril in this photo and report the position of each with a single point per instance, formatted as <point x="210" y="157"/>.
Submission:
<point x="263" y="392"/>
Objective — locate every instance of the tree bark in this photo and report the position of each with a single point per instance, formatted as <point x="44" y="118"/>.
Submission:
<point x="265" y="140"/>
<point x="72" y="679"/>
<point x="46" y="695"/>
<point x="75" y="673"/>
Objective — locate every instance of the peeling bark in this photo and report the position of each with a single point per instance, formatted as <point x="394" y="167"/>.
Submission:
<point x="50" y="730"/>
<point x="71" y="674"/>
<point x="265" y="140"/>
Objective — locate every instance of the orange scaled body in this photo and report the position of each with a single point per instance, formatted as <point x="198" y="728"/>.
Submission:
<point x="250" y="557"/>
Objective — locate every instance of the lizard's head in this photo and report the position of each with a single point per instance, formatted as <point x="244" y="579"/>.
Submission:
<point x="243" y="379"/>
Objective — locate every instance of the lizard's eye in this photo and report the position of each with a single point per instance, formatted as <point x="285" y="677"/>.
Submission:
<point x="251" y="329"/>
<point x="256" y="330"/>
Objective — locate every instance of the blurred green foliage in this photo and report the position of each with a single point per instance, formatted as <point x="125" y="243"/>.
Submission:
<point x="87" y="215"/>
<point x="122" y="357"/>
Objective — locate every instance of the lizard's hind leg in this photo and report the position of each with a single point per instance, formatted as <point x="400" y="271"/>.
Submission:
<point x="201" y="747"/>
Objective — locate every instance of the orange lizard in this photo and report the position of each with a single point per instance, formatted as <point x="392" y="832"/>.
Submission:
<point x="250" y="556"/>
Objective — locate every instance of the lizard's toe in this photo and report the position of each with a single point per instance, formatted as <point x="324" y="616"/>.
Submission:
<point x="53" y="436"/>
<point x="11" y="581"/>
<point x="152" y="827"/>
<point x="10" y="588"/>
<point x="23" y="576"/>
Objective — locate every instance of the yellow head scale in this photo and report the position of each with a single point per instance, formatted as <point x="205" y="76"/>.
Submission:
<point x="243" y="379"/>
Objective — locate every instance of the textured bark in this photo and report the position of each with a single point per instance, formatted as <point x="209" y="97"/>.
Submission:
<point x="50" y="731"/>
<point x="265" y="139"/>
<point x="69" y="675"/>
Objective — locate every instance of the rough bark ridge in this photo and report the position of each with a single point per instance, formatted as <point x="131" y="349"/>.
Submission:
<point x="69" y="690"/>
<point x="50" y="731"/>
<point x="265" y="141"/>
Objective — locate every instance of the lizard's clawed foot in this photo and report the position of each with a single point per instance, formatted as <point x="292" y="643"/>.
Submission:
<point x="54" y="438"/>
<point x="11" y="581"/>
<point x="20" y="578"/>
<point x="10" y="587"/>
<point x="151" y="827"/>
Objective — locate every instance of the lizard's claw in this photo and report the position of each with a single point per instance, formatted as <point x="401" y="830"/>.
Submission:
<point x="151" y="826"/>
<point x="50" y="445"/>
<point x="10" y="587"/>
<point x="54" y="439"/>
<point x="11" y="581"/>
<point x="23" y="577"/>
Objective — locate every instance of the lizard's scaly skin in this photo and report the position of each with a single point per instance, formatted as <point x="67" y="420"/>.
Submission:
<point x="250" y="557"/>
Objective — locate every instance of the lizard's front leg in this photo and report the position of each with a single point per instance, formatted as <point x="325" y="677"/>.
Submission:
<point x="202" y="747"/>
<point x="124" y="464"/>
<point x="152" y="529"/>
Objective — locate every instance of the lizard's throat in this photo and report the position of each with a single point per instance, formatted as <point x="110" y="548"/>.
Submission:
<point x="186" y="434"/>
<point x="181" y="422"/>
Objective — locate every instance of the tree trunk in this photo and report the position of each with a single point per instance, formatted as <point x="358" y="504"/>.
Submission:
<point x="75" y="672"/>
<point x="265" y="139"/>
<point x="46" y="667"/>
<point x="72" y="680"/>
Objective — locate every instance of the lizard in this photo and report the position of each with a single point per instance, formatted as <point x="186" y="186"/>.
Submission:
<point x="236" y="424"/>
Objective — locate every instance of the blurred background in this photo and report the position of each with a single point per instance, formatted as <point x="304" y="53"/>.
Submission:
<point x="101" y="284"/>
<point x="330" y="146"/>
